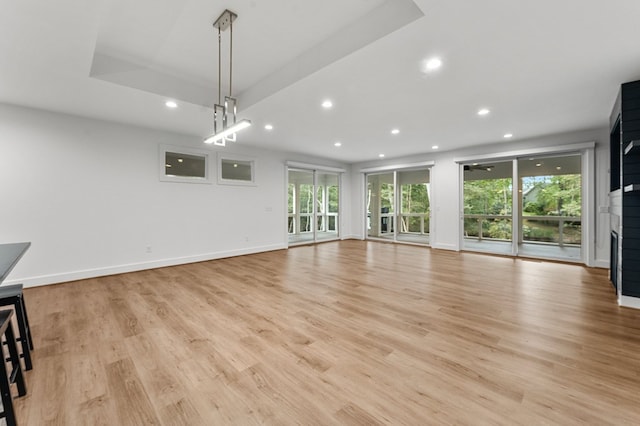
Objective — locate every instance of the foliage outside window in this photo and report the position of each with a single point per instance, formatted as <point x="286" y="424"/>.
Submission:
<point x="542" y="196"/>
<point x="414" y="201"/>
<point x="292" y="197"/>
<point x="552" y="196"/>
<point x="334" y="197"/>
<point x="386" y="197"/>
<point x="492" y="198"/>
<point x="306" y="207"/>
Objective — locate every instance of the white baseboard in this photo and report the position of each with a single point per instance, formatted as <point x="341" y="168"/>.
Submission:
<point x="352" y="237"/>
<point x="600" y="263"/>
<point x="133" y="267"/>
<point x="629" y="302"/>
<point x="442" y="246"/>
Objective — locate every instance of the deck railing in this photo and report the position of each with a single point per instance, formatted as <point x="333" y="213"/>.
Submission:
<point x="328" y="222"/>
<point x="407" y="225"/>
<point x="558" y="230"/>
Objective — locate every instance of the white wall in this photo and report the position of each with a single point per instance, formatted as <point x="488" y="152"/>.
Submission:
<point x="445" y="184"/>
<point x="87" y="194"/>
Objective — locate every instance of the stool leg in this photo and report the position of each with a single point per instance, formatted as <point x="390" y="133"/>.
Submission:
<point x="5" y="393"/>
<point x="26" y="321"/>
<point x="15" y="360"/>
<point x="24" y="335"/>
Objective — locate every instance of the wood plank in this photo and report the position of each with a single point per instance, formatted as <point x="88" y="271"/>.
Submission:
<point x="132" y="402"/>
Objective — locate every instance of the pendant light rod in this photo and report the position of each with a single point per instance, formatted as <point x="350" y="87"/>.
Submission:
<point x="224" y="115"/>
<point x="230" y="57"/>
<point x="219" y="65"/>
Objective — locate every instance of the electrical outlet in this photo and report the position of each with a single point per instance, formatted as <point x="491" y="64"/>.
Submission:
<point x="148" y="249"/>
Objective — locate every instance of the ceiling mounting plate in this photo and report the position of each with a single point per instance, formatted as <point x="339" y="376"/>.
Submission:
<point x="224" y="20"/>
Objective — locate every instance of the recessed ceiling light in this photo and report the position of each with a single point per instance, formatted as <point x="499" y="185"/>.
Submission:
<point x="395" y="131"/>
<point x="337" y="144"/>
<point x="235" y="165"/>
<point x="381" y="155"/>
<point x="538" y="164"/>
<point x="558" y="168"/>
<point x="268" y="127"/>
<point x="180" y="160"/>
<point x="171" y="104"/>
<point x="168" y="165"/>
<point x="475" y="164"/>
<point x="508" y="135"/>
<point x="327" y="104"/>
<point x="489" y="169"/>
<point x="432" y="64"/>
<point x="435" y="147"/>
<point x="483" y="111"/>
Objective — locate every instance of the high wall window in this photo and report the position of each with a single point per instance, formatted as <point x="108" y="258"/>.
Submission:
<point x="182" y="164"/>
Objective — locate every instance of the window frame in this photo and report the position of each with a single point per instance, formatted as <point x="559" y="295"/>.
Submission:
<point x="162" y="158"/>
<point x="223" y="156"/>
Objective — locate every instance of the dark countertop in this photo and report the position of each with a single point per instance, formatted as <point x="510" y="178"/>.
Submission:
<point x="10" y="254"/>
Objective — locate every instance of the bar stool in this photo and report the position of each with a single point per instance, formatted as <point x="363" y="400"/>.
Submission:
<point x="15" y="376"/>
<point x="12" y="295"/>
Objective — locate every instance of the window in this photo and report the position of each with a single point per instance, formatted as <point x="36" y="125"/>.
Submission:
<point x="235" y="170"/>
<point x="181" y="164"/>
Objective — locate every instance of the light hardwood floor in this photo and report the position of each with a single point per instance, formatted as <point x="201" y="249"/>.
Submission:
<point x="345" y="332"/>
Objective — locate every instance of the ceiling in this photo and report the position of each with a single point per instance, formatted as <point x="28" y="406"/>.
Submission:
<point x="540" y="67"/>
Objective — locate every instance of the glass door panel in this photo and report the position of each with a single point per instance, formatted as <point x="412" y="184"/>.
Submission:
<point x="301" y="203"/>
<point x="327" y="206"/>
<point x="380" y="206"/>
<point x="550" y="200"/>
<point x="488" y="207"/>
<point x="414" y="199"/>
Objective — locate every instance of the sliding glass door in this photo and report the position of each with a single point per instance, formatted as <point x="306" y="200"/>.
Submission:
<point x="398" y="206"/>
<point x="301" y="206"/>
<point x="414" y="204"/>
<point x="381" y="198"/>
<point x="327" y="205"/>
<point x="550" y="201"/>
<point x="313" y="205"/>
<point x="545" y="221"/>
<point x="488" y="201"/>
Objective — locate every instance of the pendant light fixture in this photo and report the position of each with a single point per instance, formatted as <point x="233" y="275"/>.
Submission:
<point x="225" y="125"/>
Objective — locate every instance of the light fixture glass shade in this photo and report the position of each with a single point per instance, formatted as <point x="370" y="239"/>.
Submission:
<point x="219" y="138"/>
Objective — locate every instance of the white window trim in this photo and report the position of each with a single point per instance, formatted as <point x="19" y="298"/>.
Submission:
<point x="234" y="157"/>
<point x="586" y="150"/>
<point x="509" y="155"/>
<point x="162" y="153"/>
<point x="400" y="167"/>
<point x="307" y="166"/>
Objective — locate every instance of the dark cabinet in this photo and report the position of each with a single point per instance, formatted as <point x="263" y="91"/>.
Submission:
<point x="625" y="186"/>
